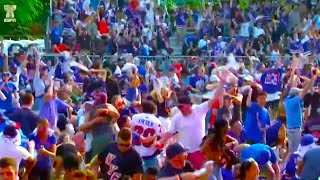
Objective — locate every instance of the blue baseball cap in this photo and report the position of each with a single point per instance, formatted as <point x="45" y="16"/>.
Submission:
<point x="174" y="150"/>
<point x="307" y="139"/>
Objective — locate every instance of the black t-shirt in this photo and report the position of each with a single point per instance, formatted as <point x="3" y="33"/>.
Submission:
<point x="66" y="149"/>
<point x="27" y="118"/>
<point x="112" y="88"/>
<point x="118" y="165"/>
<point x="162" y="109"/>
<point x="168" y="171"/>
<point x="314" y="102"/>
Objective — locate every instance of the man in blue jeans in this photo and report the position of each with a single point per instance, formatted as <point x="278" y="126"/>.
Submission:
<point x="294" y="113"/>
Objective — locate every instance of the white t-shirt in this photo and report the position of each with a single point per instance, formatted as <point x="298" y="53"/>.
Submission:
<point x="16" y="78"/>
<point x="13" y="151"/>
<point x="146" y="125"/>
<point x="257" y="32"/>
<point x="191" y="129"/>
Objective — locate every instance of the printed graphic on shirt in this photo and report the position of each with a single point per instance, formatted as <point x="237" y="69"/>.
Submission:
<point x="112" y="168"/>
<point x="146" y="125"/>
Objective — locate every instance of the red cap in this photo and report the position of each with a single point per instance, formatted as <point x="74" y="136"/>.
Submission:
<point x="100" y="98"/>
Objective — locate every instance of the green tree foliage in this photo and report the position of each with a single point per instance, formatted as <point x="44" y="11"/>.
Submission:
<point x="30" y="15"/>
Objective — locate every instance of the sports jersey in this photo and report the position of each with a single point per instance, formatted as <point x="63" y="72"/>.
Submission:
<point x="146" y="125"/>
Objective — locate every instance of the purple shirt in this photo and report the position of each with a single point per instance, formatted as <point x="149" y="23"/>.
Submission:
<point x="50" y="110"/>
<point x="68" y="23"/>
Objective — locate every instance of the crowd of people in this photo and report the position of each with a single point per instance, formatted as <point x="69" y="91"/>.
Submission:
<point x="249" y="118"/>
<point x="265" y="29"/>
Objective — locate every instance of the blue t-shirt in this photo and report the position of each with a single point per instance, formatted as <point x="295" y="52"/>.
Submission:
<point x="197" y="82"/>
<point x="142" y="71"/>
<point x="273" y="133"/>
<point x="293" y="106"/>
<point x="1" y="61"/>
<point x="251" y="128"/>
<point x="254" y="152"/>
<point x="311" y="168"/>
<point x="8" y="91"/>
<point x="55" y="35"/>
<point x="43" y="162"/>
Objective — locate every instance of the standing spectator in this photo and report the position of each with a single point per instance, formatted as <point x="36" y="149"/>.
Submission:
<point x="103" y="26"/>
<point x="25" y="116"/>
<point x="115" y="157"/>
<point x="257" y="119"/>
<point x="100" y="122"/>
<point x="147" y="124"/>
<point x="216" y="144"/>
<point x="11" y="148"/>
<point x="9" y="90"/>
<point x="294" y="115"/>
<point x="45" y="146"/>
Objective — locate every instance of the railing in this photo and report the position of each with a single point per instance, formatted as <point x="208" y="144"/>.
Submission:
<point x="163" y="62"/>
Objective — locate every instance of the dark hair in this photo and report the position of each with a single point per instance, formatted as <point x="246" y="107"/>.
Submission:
<point x="71" y="162"/>
<point x="27" y="99"/>
<point x="7" y="162"/>
<point x="62" y="122"/>
<point x="152" y="171"/>
<point x="125" y="134"/>
<point x="244" y="167"/>
<point x="149" y="107"/>
<point x="216" y="133"/>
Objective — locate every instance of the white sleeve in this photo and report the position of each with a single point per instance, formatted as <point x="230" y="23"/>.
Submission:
<point x="24" y="153"/>
<point x="202" y="108"/>
<point x="174" y="125"/>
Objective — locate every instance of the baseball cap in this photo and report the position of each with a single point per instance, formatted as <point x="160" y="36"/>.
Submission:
<point x="10" y="131"/>
<point x="184" y="100"/>
<point x="307" y="142"/>
<point x="100" y="98"/>
<point x="175" y="149"/>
